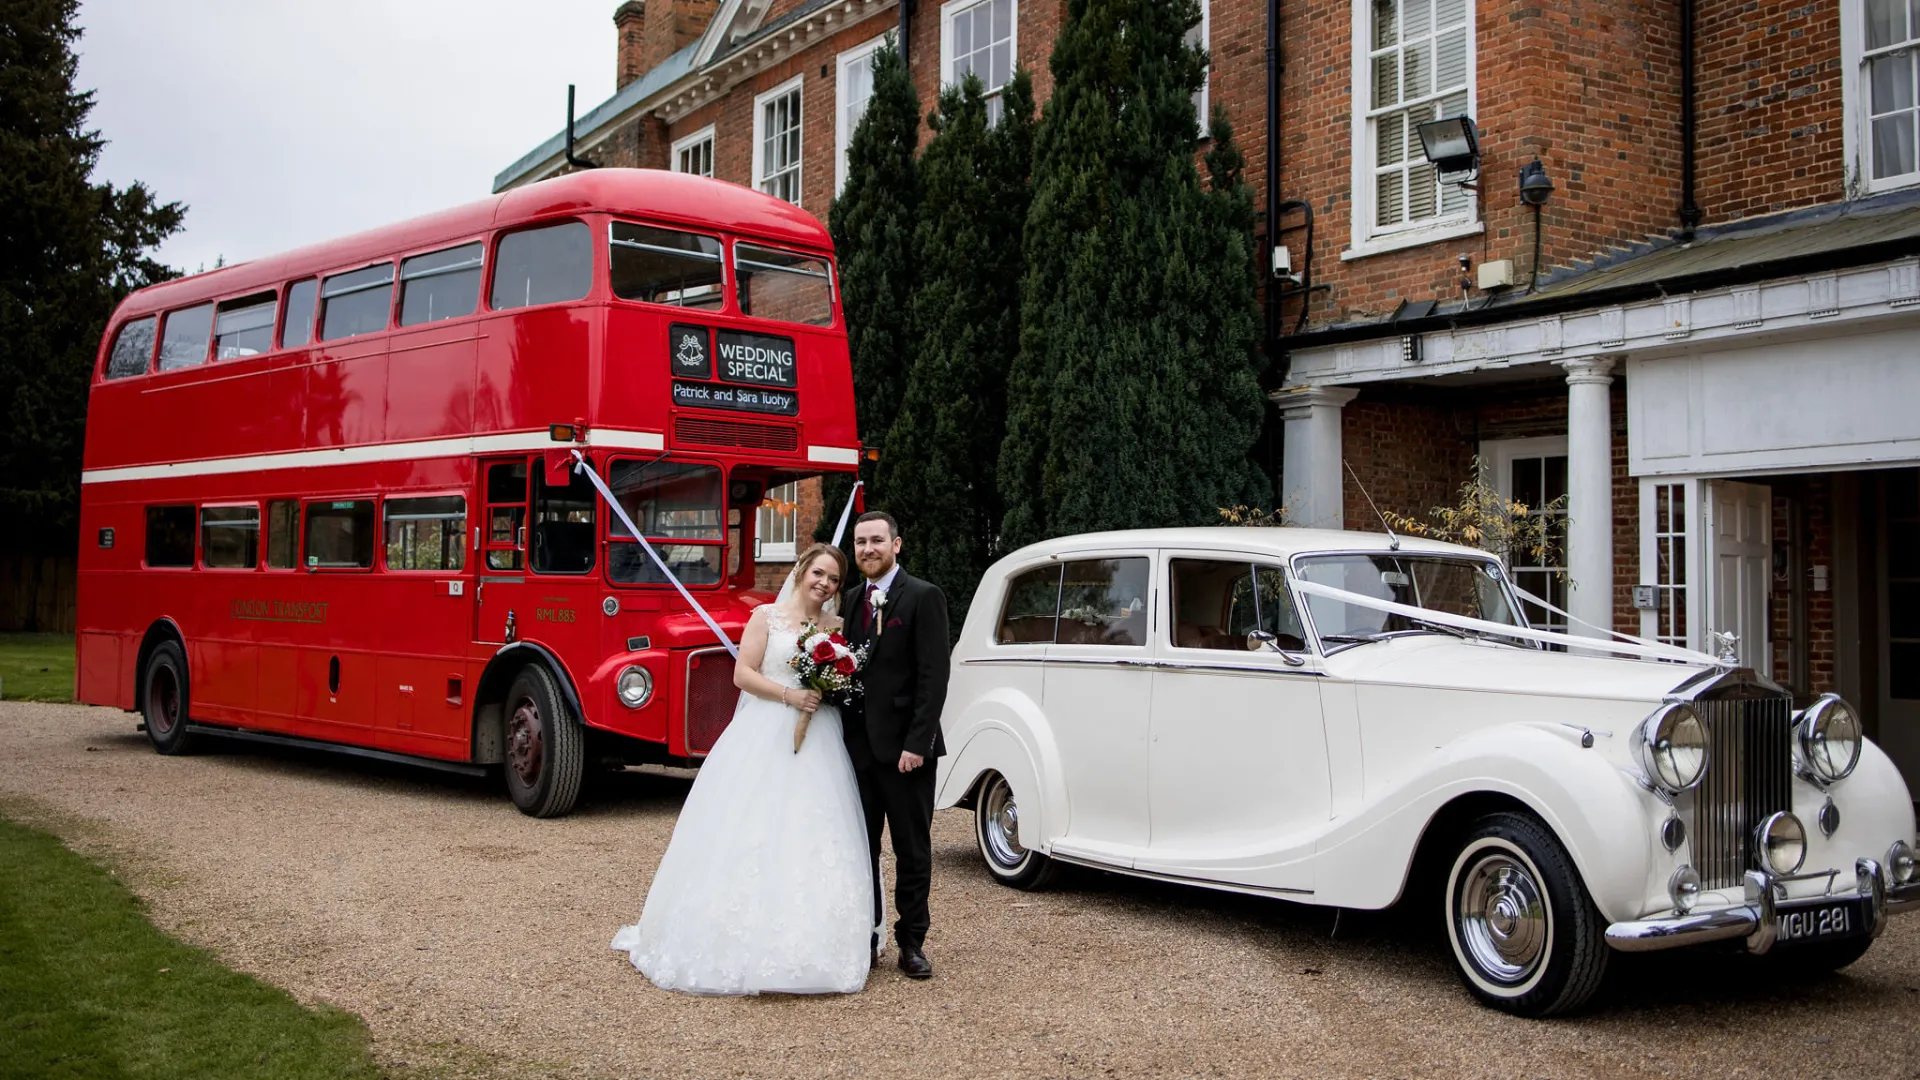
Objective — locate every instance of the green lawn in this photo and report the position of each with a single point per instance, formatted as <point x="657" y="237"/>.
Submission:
<point x="89" y="989"/>
<point x="36" y="667"/>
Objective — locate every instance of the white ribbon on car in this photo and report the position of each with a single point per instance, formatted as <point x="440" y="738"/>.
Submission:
<point x="846" y="512"/>
<point x="634" y="530"/>
<point x="1630" y="646"/>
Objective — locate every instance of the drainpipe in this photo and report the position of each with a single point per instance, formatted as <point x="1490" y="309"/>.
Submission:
<point x="1690" y="214"/>
<point x="906" y="28"/>
<point x="576" y="162"/>
<point x="1272" y="304"/>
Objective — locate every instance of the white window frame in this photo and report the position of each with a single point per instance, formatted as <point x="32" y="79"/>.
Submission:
<point x="951" y="10"/>
<point x="1694" y="570"/>
<point x="1496" y="458"/>
<point x="705" y="135"/>
<point x="1856" y="100"/>
<point x="797" y="86"/>
<point x="1202" y="35"/>
<point x="1366" y="238"/>
<point x="778" y="551"/>
<point x="843" y="131"/>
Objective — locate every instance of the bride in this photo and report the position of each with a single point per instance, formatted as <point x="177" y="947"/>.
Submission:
<point x="766" y="886"/>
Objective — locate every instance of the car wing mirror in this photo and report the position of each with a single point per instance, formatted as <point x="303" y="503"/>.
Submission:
<point x="1267" y="641"/>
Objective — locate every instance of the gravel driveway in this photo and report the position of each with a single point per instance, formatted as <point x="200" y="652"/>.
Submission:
<point x="475" y="940"/>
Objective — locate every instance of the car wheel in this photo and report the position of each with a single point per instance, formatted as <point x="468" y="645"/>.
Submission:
<point x="546" y="747"/>
<point x="165" y="701"/>
<point x="996" y="826"/>
<point x="1525" y="934"/>
<point x="1801" y="961"/>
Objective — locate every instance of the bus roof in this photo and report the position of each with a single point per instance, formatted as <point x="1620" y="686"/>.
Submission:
<point x="652" y="193"/>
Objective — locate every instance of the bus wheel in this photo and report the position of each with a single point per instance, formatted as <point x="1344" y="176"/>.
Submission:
<point x="546" y="748"/>
<point x="164" y="699"/>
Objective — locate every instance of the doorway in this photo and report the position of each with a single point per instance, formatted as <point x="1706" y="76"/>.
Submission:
<point x="1897" y="568"/>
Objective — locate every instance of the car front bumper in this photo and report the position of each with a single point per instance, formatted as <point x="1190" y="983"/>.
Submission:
<point x="1758" y="920"/>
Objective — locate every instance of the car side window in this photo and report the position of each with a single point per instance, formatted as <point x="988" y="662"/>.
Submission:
<point x="1262" y="601"/>
<point x="1217" y="603"/>
<point x="1103" y="602"/>
<point x="1032" y="608"/>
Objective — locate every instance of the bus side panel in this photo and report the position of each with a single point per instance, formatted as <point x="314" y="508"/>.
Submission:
<point x="346" y="401"/>
<point x="101" y="676"/>
<point x="533" y="369"/>
<point x="430" y="382"/>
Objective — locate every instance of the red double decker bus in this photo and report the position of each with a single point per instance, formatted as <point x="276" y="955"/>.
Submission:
<point x="326" y="495"/>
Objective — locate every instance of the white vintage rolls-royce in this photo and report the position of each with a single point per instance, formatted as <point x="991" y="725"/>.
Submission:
<point x="1335" y="717"/>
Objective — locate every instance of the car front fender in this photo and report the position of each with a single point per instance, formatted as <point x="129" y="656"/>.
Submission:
<point x="1004" y="731"/>
<point x="1605" y="819"/>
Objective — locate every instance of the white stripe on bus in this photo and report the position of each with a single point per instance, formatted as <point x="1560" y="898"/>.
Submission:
<point x="377" y="452"/>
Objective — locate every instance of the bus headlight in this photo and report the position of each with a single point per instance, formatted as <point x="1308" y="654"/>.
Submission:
<point x="1826" y="739"/>
<point x="1672" y="748"/>
<point x="635" y="686"/>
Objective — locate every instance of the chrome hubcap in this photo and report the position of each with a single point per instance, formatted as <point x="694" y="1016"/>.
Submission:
<point x="525" y="749"/>
<point x="1501" y="917"/>
<point x="1000" y="826"/>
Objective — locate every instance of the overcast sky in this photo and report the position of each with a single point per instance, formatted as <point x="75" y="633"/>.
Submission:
<point x="284" y="122"/>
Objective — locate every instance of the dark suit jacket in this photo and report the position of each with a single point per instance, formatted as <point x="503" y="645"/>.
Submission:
<point x="905" y="680"/>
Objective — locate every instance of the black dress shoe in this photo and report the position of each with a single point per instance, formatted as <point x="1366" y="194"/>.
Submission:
<point x="914" y="963"/>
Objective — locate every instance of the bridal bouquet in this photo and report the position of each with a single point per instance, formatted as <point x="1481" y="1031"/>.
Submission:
<point x="826" y="664"/>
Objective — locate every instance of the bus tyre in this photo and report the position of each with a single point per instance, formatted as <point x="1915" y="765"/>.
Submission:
<point x="1524" y="932"/>
<point x="546" y="747"/>
<point x="164" y="700"/>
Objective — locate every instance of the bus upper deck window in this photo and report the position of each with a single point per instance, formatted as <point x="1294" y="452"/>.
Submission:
<point x="662" y="266"/>
<point x="132" y="350"/>
<point x="784" y="285"/>
<point x="440" y="285"/>
<point x="356" y="302"/>
<point x="244" y="327"/>
<point x="299" y="328"/>
<point x="183" y="342"/>
<point x="542" y="266"/>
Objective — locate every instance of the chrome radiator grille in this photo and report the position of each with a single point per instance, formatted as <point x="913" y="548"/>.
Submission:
<point x="1749" y="776"/>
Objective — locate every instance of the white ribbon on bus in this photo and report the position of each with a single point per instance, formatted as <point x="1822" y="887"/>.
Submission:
<point x="846" y="512"/>
<point x="1627" y="644"/>
<point x="634" y="531"/>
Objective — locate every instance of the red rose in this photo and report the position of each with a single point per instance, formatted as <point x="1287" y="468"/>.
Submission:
<point x="823" y="652"/>
<point x="836" y="638"/>
<point x="845" y="665"/>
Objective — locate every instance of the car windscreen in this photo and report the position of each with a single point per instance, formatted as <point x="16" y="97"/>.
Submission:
<point x="1475" y="588"/>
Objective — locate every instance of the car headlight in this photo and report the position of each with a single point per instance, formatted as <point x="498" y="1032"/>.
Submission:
<point x="1782" y="841"/>
<point x="1826" y="738"/>
<point x="1672" y="747"/>
<point x="1900" y="864"/>
<point x="635" y="686"/>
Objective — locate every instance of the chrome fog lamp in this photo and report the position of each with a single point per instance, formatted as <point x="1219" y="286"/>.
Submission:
<point x="1684" y="889"/>
<point x="1672" y="748"/>
<point x="1782" y="841"/>
<point x="1901" y="868"/>
<point x="635" y="686"/>
<point x="1826" y="739"/>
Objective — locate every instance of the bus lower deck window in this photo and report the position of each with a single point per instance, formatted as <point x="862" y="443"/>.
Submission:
<point x="170" y="536"/>
<point x="427" y="533"/>
<point x="283" y="534"/>
<point x="340" y="534"/>
<point x="230" y="536"/>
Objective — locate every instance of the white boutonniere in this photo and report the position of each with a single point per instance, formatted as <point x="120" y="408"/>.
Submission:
<point x="878" y="597"/>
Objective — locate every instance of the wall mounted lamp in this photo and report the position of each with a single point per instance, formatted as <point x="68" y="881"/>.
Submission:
<point x="1535" y="186"/>
<point x="1452" y="144"/>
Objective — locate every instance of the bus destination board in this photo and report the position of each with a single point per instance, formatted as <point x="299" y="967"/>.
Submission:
<point x="752" y="399"/>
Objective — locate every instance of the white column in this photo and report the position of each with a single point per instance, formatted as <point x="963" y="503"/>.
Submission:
<point x="1312" y="458"/>
<point x="1590" y="491"/>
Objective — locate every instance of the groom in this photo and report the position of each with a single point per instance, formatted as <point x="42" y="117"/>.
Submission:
<point x="893" y="728"/>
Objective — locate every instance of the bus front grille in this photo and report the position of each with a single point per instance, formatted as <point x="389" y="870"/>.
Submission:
<point x="699" y="431"/>
<point x="1749" y="776"/>
<point x="711" y="697"/>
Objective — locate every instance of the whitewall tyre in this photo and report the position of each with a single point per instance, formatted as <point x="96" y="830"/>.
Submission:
<point x="996" y="828"/>
<point x="1525" y="935"/>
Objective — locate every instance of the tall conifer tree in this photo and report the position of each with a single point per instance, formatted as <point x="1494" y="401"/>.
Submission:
<point x="937" y="468"/>
<point x="872" y="223"/>
<point x="1135" y="397"/>
<point x="70" y="250"/>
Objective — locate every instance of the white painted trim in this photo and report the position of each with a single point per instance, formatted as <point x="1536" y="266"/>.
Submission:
<point x="465" y="446"/>
<point x="795" y="85"/>
<point x="705" y="134"/>
<point x="842" y="134"/>
<point x="1362" y="240"/>
<point x="1401" y="241"/>
<point x="1203" y="98"/>
<point x="1856" y="139"/>
<point x="951" y="9"/>
<point x="834" y="455"/>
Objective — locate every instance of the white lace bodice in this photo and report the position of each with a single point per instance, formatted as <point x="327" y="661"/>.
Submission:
<point x="783" y="641"/>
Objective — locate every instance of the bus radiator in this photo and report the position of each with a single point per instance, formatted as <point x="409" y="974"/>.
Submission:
<point x="711" y="697"/>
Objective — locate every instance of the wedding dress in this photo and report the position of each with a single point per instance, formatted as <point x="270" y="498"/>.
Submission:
<point x="765" y="886"/>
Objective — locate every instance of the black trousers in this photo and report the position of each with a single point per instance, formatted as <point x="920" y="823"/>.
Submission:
<point x="904" y="803"/>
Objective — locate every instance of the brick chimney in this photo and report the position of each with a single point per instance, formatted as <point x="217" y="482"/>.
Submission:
<point x="652" y="30"/>
<point x="630" y="22"/>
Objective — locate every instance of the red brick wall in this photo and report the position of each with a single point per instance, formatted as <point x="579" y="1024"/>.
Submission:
<point x="1811" y="544"/>
<point x="1769" y="106"/>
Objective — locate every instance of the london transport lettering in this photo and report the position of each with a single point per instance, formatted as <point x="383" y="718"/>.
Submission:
<point x="299" y="611"/>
